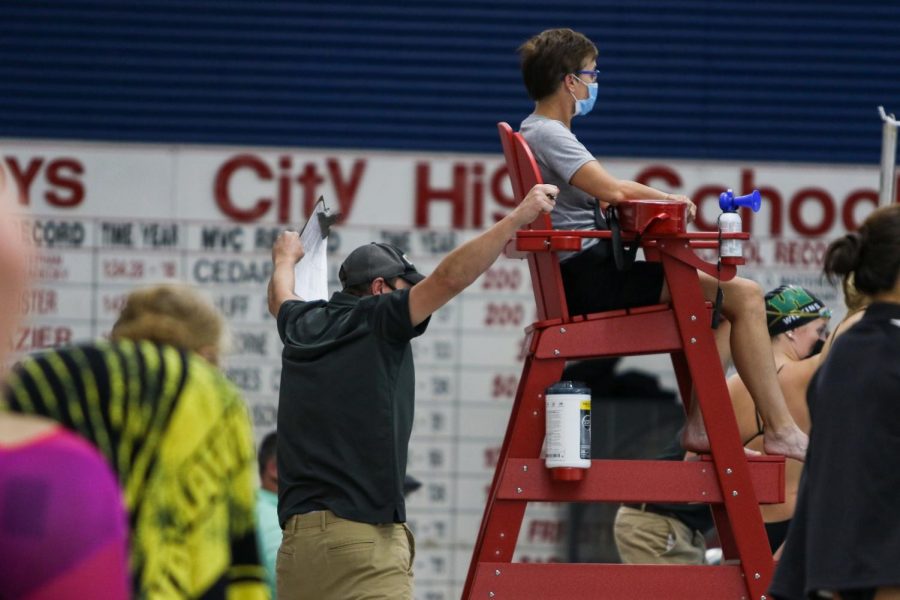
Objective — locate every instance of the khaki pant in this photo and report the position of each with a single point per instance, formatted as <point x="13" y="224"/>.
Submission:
<point x="644" y="537"/>
<point x="325" y="557"/>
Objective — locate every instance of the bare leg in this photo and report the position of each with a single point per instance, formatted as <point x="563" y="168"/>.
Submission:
<point x="693" y="436"/>
<point x="752" y="353"/>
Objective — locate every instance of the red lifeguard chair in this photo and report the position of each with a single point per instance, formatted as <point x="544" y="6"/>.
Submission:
<point x="731" y="483"/>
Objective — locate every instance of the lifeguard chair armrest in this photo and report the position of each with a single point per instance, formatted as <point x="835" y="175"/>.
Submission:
<point x="677" y="245"/>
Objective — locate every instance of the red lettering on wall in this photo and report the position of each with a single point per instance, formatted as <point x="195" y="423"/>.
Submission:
<point x="284" y="189"/>
<point x="491" y="455"/>
<point x="850" y="203"/>
<point x="707" y="192"/>
<point x="545" y="530"/>
<point x="223" y="195"/>
<point x="24" y="178"/>
<point x="455" y="195"/>
<point x="499" y="193"/>
<point x="309" y="178"/>
<point x="805" y="253"/>
<point x="345" y="189"/>
<point x="63" y="173"/>
<point x="40" y="337"/>
<point x="477" y="210"/>
<point x="796" y="211"/>
<point x="668" y="175"/>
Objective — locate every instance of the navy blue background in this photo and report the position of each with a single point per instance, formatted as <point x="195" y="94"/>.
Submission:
<point x="793" y="81"/>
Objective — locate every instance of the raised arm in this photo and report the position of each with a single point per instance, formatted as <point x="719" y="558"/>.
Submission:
<point x="286" y="253"/>
<point x="465" y="264"/>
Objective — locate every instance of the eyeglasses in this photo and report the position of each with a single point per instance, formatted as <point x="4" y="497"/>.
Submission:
<point x="594" y="74"/>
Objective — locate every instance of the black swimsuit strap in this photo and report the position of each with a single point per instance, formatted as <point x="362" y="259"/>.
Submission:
<point x="760" y="427"/>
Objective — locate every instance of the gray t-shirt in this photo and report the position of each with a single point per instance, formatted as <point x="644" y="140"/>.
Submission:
<point x="559" y="155"/>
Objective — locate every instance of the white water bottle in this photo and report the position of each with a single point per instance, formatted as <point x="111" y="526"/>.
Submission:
<point x="568" y="441"/>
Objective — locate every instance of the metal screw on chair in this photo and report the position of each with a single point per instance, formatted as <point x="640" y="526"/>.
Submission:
<point x="556" y="351"/>
<point x="728" y="471"/>
<point x="756" y="576"/>
<point x="518" y="490"/>
<point x="734" y="492"/>
<point x="490" y="594"/>
<point x="693" y="317"/>
<point x="693" y="340"/>
<point x="525" y="467"/>
<point x="562" y="329"/>
<point x="497" y="572"/>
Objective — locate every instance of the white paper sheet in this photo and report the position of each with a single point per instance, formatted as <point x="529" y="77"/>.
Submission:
<point x="311" y="273"/>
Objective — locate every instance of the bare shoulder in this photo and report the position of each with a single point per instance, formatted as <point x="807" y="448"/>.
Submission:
<point x="799" y="372"/>
<point x="842" y="327"/>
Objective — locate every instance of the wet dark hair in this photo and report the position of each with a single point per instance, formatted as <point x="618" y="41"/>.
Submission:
<point x="871" y="255"/>
<point x="551" y="55"/>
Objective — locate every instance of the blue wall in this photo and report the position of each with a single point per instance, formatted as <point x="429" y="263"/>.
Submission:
<point x="793" y="80"/>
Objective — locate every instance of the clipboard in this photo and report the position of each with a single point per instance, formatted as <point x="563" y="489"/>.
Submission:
<point x="311" y="273"/>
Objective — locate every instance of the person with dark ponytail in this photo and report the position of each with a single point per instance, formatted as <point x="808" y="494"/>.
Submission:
<point x="844" y="541"/>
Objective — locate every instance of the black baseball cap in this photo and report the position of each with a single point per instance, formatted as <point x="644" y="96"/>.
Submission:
<point x="374" y="260"/>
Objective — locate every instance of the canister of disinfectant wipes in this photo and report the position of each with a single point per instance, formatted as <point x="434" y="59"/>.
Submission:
<point x="568" y="441"/>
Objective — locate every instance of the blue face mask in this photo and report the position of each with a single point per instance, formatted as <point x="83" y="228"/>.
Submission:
<point x="583" y="107"/>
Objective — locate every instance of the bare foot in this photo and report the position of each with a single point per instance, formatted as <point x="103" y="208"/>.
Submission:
<point x="789" y="441"/>
<point x="693" y="436"/>
<point x="694" y="439"/>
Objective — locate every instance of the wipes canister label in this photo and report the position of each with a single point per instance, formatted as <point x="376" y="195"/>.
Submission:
<point x="585" y="429"/>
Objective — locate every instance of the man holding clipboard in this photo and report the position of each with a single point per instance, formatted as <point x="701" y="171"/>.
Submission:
<point x="345" y="409"/>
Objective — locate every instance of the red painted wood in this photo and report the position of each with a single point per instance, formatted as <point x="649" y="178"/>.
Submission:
<point x="732" y="485"/>
<point x="517" y="581"/>
<point x="637" y="481"/>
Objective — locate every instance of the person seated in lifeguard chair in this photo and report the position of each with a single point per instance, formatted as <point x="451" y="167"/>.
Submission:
<point x="559" y="68"/>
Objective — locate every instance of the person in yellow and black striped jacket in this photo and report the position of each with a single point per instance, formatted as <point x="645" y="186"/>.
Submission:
<point x="177" y="434"/>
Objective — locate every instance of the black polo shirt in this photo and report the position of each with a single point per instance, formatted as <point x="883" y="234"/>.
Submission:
<point x="345" y="411"/>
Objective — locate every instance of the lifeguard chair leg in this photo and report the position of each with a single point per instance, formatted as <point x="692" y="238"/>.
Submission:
<point x="729" y="461"/>
<point x="502" y="519"/>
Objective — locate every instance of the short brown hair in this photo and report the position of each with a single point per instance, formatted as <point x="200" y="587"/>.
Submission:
<point x="174" y="314"/>
<point x="551" y="55"/>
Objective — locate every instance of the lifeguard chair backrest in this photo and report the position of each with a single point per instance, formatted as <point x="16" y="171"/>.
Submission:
<point x="546" y="278"/>
<point x="512" y="168"/>
<point x="509" y="153"/>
